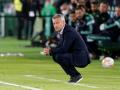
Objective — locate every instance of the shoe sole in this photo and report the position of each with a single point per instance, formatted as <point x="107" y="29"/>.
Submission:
<point x="79" y="80"/>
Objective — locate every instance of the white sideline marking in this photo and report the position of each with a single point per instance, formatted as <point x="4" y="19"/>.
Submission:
<point x="108" y="77"/>
<point x="16" y="85"/>
<point x="54" y="80"/>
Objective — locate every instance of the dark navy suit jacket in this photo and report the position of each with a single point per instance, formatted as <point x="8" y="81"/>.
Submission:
<point x="72" y="43"/>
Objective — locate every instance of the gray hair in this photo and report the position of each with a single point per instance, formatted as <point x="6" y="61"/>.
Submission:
<point x="58" y="16"/>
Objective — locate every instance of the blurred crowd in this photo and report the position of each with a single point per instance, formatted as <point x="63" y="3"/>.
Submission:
<point x="98" y="17"/>
<point x="90" y="17"/>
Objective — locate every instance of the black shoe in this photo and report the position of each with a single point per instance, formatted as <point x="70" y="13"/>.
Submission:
<point x="75" y="79"/>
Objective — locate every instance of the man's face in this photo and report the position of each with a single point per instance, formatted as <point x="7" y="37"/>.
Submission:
<point x="73" y="17"/>
<point x="117" y="11"/>
<point x="103" y="8"/>
<point x="94" y="7"/>
<point x="64" y="9"/>
<point x="58" y="24"/>
<point x="80" y="13"/>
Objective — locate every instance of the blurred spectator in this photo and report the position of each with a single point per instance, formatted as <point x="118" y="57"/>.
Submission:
<point x="84" y="23"/>
<point x="58" y="3"/>
<point x="32" y="7"/>
<point x="47" y="12"/>
<point x="81" y="2"/>
<point x="88" y="6"/>
<point x="73" y="4"/>
<point x="10" y="24"/>
<point x="95" y="14"/>
<point x="26" y="14"/>
<point x="19" y="13"/>
<point x="48" y="9"/>
<point x="64" y="9"/>
<point x="103" y="13"/>
<point x="72" y="18"/>
<point x="9" y="9"/>
<point x="94" y="9"/>
<point x="102" y="16"/>
<point x="111" y="28"/>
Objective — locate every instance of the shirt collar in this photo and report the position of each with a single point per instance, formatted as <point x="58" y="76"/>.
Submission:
<point x="61" y="32"/>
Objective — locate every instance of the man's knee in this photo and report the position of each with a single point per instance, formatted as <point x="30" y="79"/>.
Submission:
<point x="58" y="58"/>
<point x="62" y="58"/>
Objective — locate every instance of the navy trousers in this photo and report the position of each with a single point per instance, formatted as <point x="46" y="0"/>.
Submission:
<point x="64" y="60"/>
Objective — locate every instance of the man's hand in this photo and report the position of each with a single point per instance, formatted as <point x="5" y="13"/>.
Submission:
<point x="46" y="51"/>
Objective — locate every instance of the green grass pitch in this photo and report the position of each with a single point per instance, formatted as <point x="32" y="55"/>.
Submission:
<point x="36" y="72"/>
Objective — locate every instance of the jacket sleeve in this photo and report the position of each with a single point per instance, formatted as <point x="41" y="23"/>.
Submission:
<point x="65" y="45"/>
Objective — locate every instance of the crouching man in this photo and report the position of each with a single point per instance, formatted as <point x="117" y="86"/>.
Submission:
<point x="71" y="50"/>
